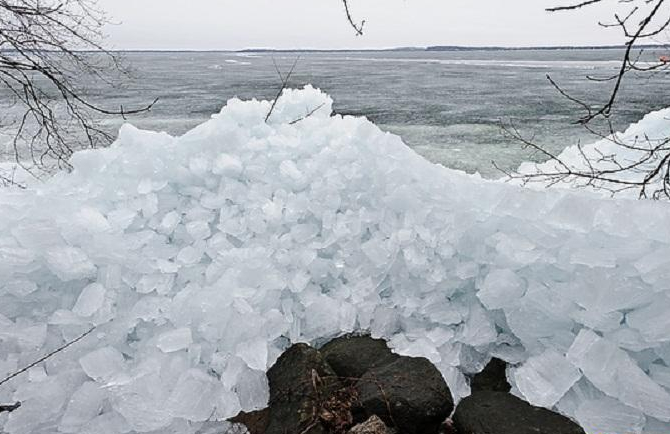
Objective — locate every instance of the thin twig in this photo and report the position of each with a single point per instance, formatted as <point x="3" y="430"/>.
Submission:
<point x="51" y="354"/>
<point x="573" y="7"/>
<point x="284" y="83"/>
<point x="357" y="27"/>
<point x="310" y="113"/>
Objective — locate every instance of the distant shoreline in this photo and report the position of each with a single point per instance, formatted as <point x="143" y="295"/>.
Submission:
<point x="433" y="48"/>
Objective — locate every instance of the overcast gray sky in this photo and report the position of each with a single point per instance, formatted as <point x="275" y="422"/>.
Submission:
<point x="235" y="24"/>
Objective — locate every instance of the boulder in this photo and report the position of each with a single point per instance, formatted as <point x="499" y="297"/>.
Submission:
<point x="409" y="394"/>
<point x="300" y="382"/>
<point x="491" y="412"/>
<point x="352" y="356"/>
<point x="374" y="425"/>
<point x="493" y="377"/>
<point x="255" y="421"/>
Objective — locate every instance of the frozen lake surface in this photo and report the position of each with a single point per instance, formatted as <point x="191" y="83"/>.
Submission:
<point x="445" y="105"/>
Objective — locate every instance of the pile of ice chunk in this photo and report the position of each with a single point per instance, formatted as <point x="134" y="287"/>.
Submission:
<point x="625" y="157"/>
<point x="200" y="258"/>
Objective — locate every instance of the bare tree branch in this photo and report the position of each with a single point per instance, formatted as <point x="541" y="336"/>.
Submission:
<point x="357" y="27"/>
<point x="284" y="83"/>
<point x="643" y="163"/>
<point x="47" y="356"/>
<point x="308" y="114"/>
<point x="48" y="49"/>
<point x="573" y="7"/>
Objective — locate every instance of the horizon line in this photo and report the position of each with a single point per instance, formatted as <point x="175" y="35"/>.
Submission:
<point x="408" y="48"/>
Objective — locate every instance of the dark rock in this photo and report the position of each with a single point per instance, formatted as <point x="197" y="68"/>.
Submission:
<point x="490" y="412"/>
<point x="300" y="382"/>
<point x="374" y="425"/>
<point x="408" y="394"/>
<point x="352" y="356"/>
<point x="255" y="421"/>
<point x="492" y="377"/>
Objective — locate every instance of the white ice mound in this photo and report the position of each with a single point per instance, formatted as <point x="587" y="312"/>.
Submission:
<point x="200" y="258"/>
<point x="632" y="155"/>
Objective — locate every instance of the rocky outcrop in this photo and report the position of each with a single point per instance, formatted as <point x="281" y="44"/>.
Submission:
<point x="300" y="382"/>
<point x="409" y="394"/>
<point x="356" y="385"/>
<point x="491" y="412"/>
<point x="352" y="356"/>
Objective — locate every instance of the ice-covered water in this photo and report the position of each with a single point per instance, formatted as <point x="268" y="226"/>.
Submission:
<point x="201" y="258"/>
<point x="446" y="105"/>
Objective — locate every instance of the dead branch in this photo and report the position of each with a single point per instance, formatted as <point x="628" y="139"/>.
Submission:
<point x="646" y="164"/>
<point x="284" y="83"/>
<point x="358" y="28"/>
<point x="308" y="114"/>
<point x="47" y="356"/>
<point x="48" y="48"/>
<point x="574" y="6"/>
<point x="646" y="28"/>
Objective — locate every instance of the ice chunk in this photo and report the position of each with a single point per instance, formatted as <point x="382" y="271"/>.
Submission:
<point x="169" y="222"/>
<point x="199" y="230"/>
<point x="120" y="219"/>
<point x="607" y="415"/>
<point x="478" y="328"/>
<point x="90" y="300"/>
<point x="592" y="257"/>
<point x="253" y="390"/>
<point x="175" y="340"/>
<point x="41" y="404"/>
<point x="227" y="165"/>
<point x="84" y="405"/>
<point x="194" y="396"/>
<point x="110" y="276"/>
<point x="27" y="336"/>
<point x="501" y="288"/>
<point x="614" y="372"/>
<point x="92" y="220"/>
<point x="106" y="423"/>
<point x="19" y="288"/>
<point x="660" y="374"/>
<point x="102" y="363"/>
<point x="254" y="353"/>
<point x="70" y="263"/>
<point x="322" y="317"/>
<point x="654" y="426"/>
<point x="189" y="255"/>
<point x="544" y="379"/>
<point x="141" y="413"/>
<point x="161" y="283"/>
<point x="652" y="321"/>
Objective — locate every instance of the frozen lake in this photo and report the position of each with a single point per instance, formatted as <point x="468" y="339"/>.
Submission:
<point x="446" y="105"/>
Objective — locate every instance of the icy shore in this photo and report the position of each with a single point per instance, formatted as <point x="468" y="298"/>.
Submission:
<point x="201" y="257"/>
<point x="639" y="149"/>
